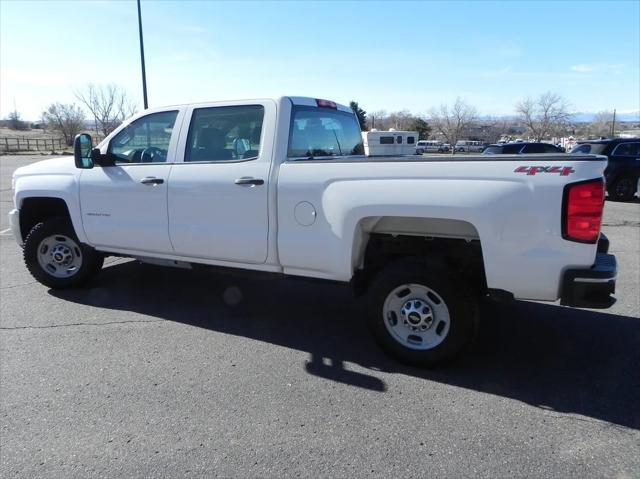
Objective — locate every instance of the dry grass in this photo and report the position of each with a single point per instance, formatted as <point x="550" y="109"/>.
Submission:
<point x="9" y="133"/>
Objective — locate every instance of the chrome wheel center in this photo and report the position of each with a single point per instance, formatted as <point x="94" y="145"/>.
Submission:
<point x="417" y="315"/>
<point x="61" y="254"/>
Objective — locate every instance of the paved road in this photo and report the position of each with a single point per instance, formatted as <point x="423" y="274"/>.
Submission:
<point x="170" y="373"/>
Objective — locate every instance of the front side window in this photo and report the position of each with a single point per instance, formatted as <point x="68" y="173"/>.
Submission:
<point x="225" y="133"/>
<point x="145" y="140"/>
<point x="534" y="148"/>
<point x="511" y="149"/>
<point x="324" y="132"/>
<point x="410" y="140"/>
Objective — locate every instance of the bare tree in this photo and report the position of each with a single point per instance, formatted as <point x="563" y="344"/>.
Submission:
<point x="544" y="116"/>
<point x="399" y="120"/>
<point x="108" y="104"/>
<point x="15" y="123"/>
<point x="451" y="122"/>
<point x="601" y="124"/>
<point x="67" y="119"/>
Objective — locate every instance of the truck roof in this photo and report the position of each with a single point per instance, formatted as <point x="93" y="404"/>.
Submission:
<point x="296" y="100"/>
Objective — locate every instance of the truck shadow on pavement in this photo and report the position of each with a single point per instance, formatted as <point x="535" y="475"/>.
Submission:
<point x="560" y="359"/>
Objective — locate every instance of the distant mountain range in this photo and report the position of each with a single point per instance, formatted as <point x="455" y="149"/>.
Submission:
<point x="588" y="116"/>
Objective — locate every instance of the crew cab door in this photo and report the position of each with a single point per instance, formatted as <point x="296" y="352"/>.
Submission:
<point x="218" y="190"/>
<point x="124" y="206"/>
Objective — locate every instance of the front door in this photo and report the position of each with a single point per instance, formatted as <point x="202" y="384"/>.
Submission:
<point x="218" y="196"/>
<point x="125" y="206"/>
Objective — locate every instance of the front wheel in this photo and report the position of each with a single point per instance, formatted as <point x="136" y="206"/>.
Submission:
<point x="419" y="315"/>
<point x="55" y="257"/>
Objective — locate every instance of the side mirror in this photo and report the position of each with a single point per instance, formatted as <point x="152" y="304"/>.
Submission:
<point x="101" y="160"/>
<point x="82" y="151"/>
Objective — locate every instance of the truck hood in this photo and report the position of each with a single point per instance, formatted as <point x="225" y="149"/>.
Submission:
<point x="64" y="165"/>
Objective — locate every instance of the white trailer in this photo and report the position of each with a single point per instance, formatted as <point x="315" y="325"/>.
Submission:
<point x="388" y="143"/>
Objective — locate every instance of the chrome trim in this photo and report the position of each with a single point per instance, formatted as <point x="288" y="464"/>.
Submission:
<point x="594" y="280"/>
<point x="14" y="222"/>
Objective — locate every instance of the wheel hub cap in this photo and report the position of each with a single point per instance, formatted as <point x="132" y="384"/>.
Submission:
<point x="61" y="254"/>
<point x="417" y="315"/>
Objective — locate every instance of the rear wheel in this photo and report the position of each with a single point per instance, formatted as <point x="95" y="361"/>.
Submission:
<point x="55" y="257"/>
<point x="419" y="315"/>
<point x="623" y="189"/>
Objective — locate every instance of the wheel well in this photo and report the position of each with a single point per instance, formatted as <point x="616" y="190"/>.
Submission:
<point x="463" y="257"/>
<point x="36" y="210"/>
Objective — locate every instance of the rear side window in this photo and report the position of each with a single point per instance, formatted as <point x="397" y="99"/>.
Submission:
<point x="386" y="140"/>
<point x="627" y="149"/>
<point x="225" y="133"/>
<point x="318" y="132"/>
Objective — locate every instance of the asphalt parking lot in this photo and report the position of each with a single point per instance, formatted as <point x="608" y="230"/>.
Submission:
<point x="154" y="372"/>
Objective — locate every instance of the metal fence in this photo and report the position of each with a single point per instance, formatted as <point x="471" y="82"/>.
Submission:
<point x="19" y="144"/>
<point x="31" y="144"/>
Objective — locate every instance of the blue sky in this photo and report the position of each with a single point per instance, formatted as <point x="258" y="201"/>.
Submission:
<point x="386" y="55"/>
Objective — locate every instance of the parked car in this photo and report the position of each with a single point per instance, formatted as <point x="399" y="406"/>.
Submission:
<point x="623" y="171"/>
<point x="424" y="240"/>
<point x="431" y="146"/>
<point x="520" y="148"/>
<point x="471" y="146"/>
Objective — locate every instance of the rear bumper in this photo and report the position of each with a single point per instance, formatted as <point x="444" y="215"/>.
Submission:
<point x="591" y="287"/>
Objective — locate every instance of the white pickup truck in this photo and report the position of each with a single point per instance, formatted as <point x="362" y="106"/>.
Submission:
<point x="282" y="186"/>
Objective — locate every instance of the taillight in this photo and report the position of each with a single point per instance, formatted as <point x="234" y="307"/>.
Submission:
<point x="582" y="211"/>
<point x="326" y="104"/>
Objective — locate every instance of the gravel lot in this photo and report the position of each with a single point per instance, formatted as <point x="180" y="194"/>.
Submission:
<point x="170" y="373"/>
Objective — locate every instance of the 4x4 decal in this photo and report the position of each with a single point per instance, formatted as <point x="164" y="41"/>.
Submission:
<point x="532" y="170"/>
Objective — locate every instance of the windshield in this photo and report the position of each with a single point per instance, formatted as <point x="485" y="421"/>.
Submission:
<point x="323" y="132"/>
<point x="589" y="148"/>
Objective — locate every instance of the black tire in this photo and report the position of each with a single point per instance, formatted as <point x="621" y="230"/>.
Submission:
<point x="419" y="152"/>
<point x="90" y="260"/>
<point x="458" y="298"/>
<point x="623" y="189"/>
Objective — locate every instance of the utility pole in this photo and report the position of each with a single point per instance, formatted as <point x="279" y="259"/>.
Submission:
<point x="144" y="75"/>
<point x="613" y="123"/>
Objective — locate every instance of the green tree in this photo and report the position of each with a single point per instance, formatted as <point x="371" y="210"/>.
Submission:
<point x="360" y="113"/>
<point x="421" y="126"/>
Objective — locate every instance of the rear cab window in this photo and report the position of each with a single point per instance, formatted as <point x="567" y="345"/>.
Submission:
<point x="323" y="132"/>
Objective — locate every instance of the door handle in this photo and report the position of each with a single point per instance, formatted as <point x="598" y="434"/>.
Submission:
<point x="151" y="180"/>
<point x="248" y="181"/>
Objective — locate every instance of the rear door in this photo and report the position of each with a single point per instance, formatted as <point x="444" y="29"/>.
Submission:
<point x="218" y="190"/>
